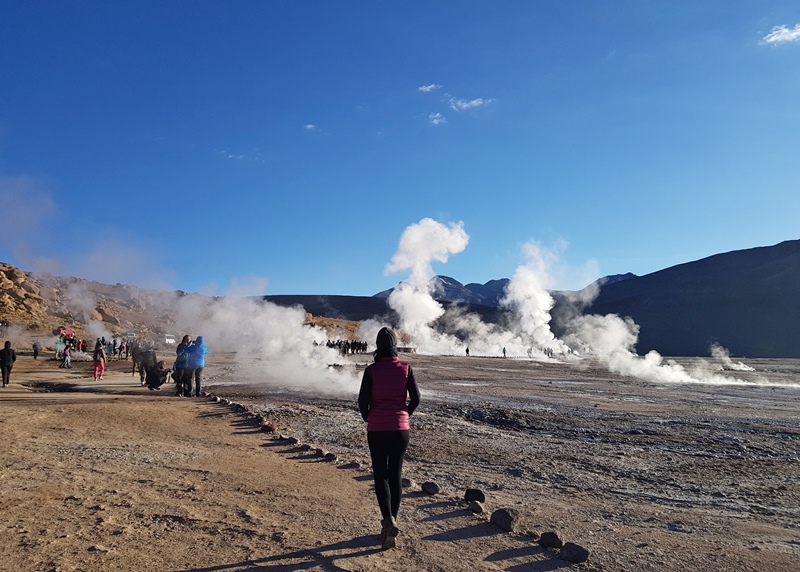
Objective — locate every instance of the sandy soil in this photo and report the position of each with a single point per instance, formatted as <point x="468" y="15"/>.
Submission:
<point x="109" y="476"/>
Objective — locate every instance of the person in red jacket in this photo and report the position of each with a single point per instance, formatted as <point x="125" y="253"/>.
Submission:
<point x="382" y="401"/>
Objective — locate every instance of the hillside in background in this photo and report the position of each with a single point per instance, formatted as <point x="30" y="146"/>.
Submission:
<point x="745" y="300"/>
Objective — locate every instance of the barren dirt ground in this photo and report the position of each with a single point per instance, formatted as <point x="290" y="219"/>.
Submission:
<point x="109" y="476"/>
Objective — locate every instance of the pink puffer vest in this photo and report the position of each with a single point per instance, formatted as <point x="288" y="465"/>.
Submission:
<point x="388" y="410"/>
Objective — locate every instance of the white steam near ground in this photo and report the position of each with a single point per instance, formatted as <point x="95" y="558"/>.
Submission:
<point x="610" y="339"/>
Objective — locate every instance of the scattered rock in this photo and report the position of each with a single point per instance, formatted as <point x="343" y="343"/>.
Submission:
<point x="678" y="526"/>
<point x="550" y="540"/>
<point x="319" y="453"/>
<point x="574" y="553"/>
<point x="408" y="483"/>
<point x="505" y="518"/>
<point x="476" y="506"/>
<point x="430" y="488"/>
<point x="474" y="495"/>
<point x="331" y="457"/>
<point x="269" y="428"/>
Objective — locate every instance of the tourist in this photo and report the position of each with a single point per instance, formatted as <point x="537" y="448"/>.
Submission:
<point x="37" y="347"/>
<point x="197" y="361"/>
<point x="67" y="361"/>
<point x="157" y="375"/>
<point x="7" y="359"/>
<point x="183" y="375"/>
<point x="99" y="358"/>
<point x="382" y="402"/>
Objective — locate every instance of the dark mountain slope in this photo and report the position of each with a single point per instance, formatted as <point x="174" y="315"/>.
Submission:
<point x="747" y="300"/>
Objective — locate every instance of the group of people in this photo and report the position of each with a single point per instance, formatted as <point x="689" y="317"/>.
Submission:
<point x="189" y="364"/>
<point x="348" y="346"/>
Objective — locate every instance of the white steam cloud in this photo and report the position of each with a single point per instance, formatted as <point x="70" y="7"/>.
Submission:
<point x="272" y="344"/>
<point x="724" y="356"/>
<point x="421" y="244"/>
<point x="609" y="339"/>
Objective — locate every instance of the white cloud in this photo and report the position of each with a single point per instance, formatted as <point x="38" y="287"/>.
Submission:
<point x="427" y="88"/>
<point x="464" y="104"/>
<point x="782" y="34"/>
<point x="254" y="156"/>
<point x="437" y="118"/>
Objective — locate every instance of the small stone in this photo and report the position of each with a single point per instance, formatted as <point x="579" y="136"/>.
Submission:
<point x="430" y="488"/>
<point x="550" y="540"/>
<point x="474" y="495"/>
<point x="293" y="440"/>
<point x="505" y="518"/>
<point x="269" y="428"/>
<point x="407" y="483"/>
<point x="574" y="553"/>
<point x="476" y="506"/>
<point x="319" y="453"/>
<point x="331" y="457"/>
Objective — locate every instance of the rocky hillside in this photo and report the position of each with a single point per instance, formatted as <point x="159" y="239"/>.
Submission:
<point x="40" y="304"/>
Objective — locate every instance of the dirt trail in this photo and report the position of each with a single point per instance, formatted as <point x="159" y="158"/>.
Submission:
<point x="109" y="476"/>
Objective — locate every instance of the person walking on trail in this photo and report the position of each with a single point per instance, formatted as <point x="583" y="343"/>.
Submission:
<point x="7" y="358"/>
<point x="197" y="361"/>
<point x="382" y="401"/>
<point x="99" y="359"/>
<point x="37" y="347"/>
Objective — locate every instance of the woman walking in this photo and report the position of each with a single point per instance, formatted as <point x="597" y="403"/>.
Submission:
<point x="99" y="361"/>
<point x="382" y="400"/>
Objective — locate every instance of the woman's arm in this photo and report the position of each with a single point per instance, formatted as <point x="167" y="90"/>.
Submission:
<point x="413" y="392"/>
<point x="365" y="394"/>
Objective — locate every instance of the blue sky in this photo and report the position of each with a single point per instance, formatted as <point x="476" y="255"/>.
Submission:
<point x="204" y="145"/>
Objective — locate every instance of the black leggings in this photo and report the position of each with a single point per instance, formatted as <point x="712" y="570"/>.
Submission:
<point x="387" y="449"/>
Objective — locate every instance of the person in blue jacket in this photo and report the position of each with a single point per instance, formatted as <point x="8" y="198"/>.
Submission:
<point x="197" y="361"/>
<point x="183" y="375"/>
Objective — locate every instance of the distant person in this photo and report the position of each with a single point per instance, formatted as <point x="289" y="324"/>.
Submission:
<point x="382" y="402"/>
<point x="7" y="359"/>
<point x="99" y="359"/>
<point x="183" y="375"/>
<point x="67" y="361"/>
<point x="197" y="361"/>
<point x="143" y="359"/>
<point x="504" y="352"/>
<point x="157" y="375"/>
<point x="467" y="351"/>
<point x="37" y="347"/>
